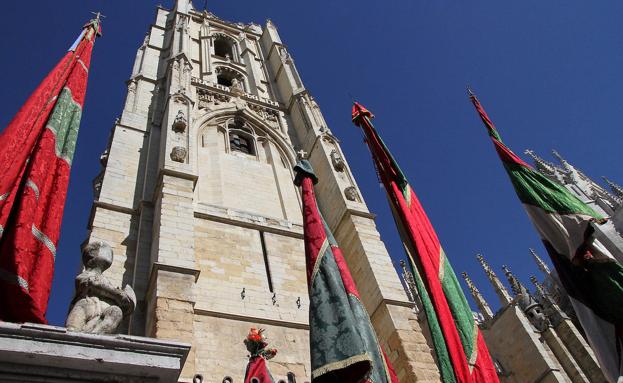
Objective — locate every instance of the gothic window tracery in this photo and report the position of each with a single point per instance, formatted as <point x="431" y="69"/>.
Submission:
<point x="241" y="143"/>
<point x="240" y="137"/>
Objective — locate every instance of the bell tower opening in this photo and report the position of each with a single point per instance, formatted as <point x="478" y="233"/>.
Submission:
<point x="224" y="47"/>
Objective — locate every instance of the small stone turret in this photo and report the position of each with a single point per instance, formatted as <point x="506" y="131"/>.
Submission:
<point x="529" y="305"/>
<point x="499" y="288"/>
<point x="540" y="263"/>
<point x="482" y="304"/>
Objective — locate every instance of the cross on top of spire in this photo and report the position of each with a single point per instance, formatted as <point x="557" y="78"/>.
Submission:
<point x="98" y="16"/>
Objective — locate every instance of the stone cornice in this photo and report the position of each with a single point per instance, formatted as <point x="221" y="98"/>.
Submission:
<point x="252" y="319"/>
<point x="392" y="302"/>
<point x="158" y="266"/>
<point x="248" y="220"/>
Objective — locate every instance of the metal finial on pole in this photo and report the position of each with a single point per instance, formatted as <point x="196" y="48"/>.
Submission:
<point x="98" y="16"/>
<point x="470" y="93"/>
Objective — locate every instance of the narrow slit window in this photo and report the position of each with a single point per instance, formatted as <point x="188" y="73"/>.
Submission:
<point x="266" y="262"/>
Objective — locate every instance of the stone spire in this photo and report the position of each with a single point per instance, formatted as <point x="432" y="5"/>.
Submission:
<point x="547" y="168"/>
<point x="564" y="162"/>
<point x="573" y="175"/>
<point x="616" y="189"/>
<point x="540" y="262"/>
<point x="516" y="285"/>
<point x="482" y="304"/>
<point x="499" y="288"/>
<point x="530" y="306"/>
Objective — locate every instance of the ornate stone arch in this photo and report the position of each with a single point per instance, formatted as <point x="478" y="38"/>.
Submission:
<point x="269" y="133"/>
<point x="225" y="44"/>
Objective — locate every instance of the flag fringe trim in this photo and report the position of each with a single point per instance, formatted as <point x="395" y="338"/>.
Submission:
<point x="319" y="257"/>
<point x="341" y="364"/>
<point x="14" y="279"/>
<point x="474" y="357"/>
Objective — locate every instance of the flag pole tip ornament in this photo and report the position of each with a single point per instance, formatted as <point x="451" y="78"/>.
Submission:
<point x="359" y="111"/>
<point x="303" y="169"/>
<point x="96" y="23"/>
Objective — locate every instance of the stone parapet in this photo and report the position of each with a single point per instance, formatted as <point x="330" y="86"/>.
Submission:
<point x="40" y="353"/>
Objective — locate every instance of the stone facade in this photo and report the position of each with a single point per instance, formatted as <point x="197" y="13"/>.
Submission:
<point x="197" y="201"/>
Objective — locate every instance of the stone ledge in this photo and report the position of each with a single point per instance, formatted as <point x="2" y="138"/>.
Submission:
<point x="248" y="220"/>
<point x="40" y="353"/>
<point x="252" y="319"/>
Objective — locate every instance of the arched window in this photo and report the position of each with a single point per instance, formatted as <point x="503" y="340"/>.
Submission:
<point x="241" y="143"/>
<point x="230" y="78"/>
<point x="241" y="138"/>
<point x="224" y="47"/>
<point x="224" y="80"/>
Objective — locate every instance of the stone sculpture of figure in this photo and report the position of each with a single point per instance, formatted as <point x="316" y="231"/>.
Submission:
<point x="236" y="86"/>
<point x="98" y="307"/>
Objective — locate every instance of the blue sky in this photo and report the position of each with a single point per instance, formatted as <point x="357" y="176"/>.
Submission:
<point x="548" y="72"/>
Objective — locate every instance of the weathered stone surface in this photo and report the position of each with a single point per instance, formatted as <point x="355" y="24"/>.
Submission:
<point x="39" y="353"/>
<point x="98" y="306"/>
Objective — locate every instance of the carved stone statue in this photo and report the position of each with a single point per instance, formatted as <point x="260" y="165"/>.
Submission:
<point x="236" y="86"/>
<point x="178" y="154"/>
<point x="98" y="307"/>
<point x="337" y="161"/>
<point x="351" y="194"/>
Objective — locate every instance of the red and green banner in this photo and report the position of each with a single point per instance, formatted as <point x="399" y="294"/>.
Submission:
<point x="36" y="150"/>
<point x="589" y="273"/>
<point x="461" y="352"/>
<point x="343" y="344"/>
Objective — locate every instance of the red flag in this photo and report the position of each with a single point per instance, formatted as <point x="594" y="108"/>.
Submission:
<point x="462" y="353"/>
<point x="36" y="150"/>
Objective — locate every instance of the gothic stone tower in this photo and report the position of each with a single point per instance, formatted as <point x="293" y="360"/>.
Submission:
<point x="196" y="198"/>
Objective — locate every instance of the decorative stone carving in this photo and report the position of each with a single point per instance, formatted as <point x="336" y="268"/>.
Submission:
<point x="132" y="86"/>
<point x="179" y="123"/>
<point x="351" y="194"/>
<point x="98" y="307"/>
<point x="530" y="306"/>
<point x="207" y="98"/>
<point x="283" y="53"/>
<point x="337" y="161"/>
<point x="267" y="114"/>
<point x="301" y="155"/>
<point x="104" y="158"/>
<point x="236" y="86"/>
<point x="178" y="154"/>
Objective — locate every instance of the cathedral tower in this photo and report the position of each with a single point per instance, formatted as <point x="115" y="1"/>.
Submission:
<point x="197" y="201"/>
